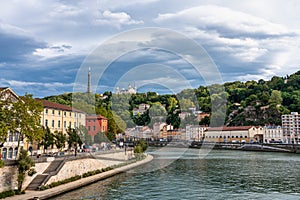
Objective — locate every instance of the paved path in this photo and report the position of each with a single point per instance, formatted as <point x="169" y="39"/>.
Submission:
<point x="77" y="184"/>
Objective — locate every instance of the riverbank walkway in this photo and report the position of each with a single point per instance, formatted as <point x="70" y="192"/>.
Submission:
<point x="77" y="184"/>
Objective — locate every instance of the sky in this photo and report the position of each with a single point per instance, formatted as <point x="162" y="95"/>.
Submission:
<point x="47" y="46"/>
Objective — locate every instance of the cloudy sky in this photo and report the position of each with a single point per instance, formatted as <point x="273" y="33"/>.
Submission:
<point x="46" y="44"/>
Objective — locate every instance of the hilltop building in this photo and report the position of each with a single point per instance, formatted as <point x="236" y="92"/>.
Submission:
<point x="129" y="90"/>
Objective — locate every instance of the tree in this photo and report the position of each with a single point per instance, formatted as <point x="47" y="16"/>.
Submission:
<point x="275" y="98"/>
<point x="24" y="116"/>
<point x="74" y="139"/>
<point x="3" y="123"/>
<point x="48" y="139"/>
<point x="60" y="139"/>
<point x="24" y="163"/>
<point x="84" y="135"/>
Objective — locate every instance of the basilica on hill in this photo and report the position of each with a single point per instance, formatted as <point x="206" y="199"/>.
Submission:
<point x="129" y="90"/>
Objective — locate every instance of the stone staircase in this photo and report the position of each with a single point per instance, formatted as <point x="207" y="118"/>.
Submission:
<point x="42" y="179"/>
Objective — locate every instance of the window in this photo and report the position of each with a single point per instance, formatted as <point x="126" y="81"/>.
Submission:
<point x="74" y="114"/>
<point x="46" y="111"/>
<point x="236" y="136"/>
<point x="59" y="112"/>
<point x="89" y="128"/>
<point x="46" y="122"/>
<point x="241" y="136"/>
<point x="53" y="112"/>
<point x="94" y="128"/>
<point x="232" y="136"/>
<point x="79" y="115"/>
<point x="74" y="124"/>
<point x="4" y="152"/>
<point x="16" y="137"/>
<point x="65" y="113"/>
<point x="15" y="152"/>
<point x="245" y="136"/>
<point x="10" y="152"/>
<point x="221" y="136"/>
<point x="70" y="114"/>
<point x="65" y="124"/>
<point x="70" y="124"/>
<point x="52" y="123"/>
<point x="10" y="136"/>
<point x="58" y="123"/>
<point x="228" y="136"/>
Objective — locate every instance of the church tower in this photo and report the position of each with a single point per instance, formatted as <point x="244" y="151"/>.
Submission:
<point x="89" y="89"/>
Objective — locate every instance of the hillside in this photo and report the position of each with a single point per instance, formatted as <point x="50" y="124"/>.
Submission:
<point x="248" y="103"/>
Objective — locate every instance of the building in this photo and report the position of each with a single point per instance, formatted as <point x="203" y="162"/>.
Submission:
<point x="273" y="134"/>
<point x="129" y="90"/>
<point x="58" y="117"/>
<point x="96" y="124"/>
<point x="194" y="132"/>
<point x="9" y="148"/>
<point x="291" y="127"/>
<point x="234" y="134"/>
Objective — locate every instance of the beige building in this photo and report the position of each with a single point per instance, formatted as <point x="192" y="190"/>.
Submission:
<point x="273" y="134"/>
<point x="59" y="117"/>
<point x="234" y="134"/>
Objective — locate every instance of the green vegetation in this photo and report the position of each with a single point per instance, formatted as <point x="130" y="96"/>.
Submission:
<point x="140" y="147"/>
<point x="7" y="193"/>
<point x="25" y="164"/>
<point x="24" y="118"/>
<point x="245" y="103"/>
<point x="2" y="164"/>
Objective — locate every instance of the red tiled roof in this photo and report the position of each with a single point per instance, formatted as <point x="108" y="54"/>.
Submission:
<point x="229" y="128"/>
<point x="95" y="117"/>
<point x="49" y="104"/>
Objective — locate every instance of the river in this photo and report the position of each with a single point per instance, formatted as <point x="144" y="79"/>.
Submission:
<point x="194" y="174"/>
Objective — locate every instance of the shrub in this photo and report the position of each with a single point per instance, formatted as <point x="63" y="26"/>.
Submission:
<point x="7" y="193"/>
<point x="1" y="163"/>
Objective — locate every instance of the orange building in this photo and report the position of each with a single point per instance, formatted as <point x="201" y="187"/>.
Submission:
<point x="96" y="124"/>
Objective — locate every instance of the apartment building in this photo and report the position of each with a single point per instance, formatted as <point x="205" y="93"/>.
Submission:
<point x="291" y="128"/>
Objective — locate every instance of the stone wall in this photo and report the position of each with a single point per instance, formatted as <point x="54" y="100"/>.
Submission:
<point x="8" y="178"/>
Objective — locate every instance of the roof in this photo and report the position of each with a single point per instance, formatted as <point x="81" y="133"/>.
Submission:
<point x="10" y="90"/>
<point x="49" y="104"/>
<point x="95" y="117"/>
<point x="229" y="128"/>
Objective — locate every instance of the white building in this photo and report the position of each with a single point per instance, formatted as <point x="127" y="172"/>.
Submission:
<point x="10" y="146"/>
<point x="291" y="127"/>
<point x="129" y="90"/>
<point x="273" y="134"/>
<point x="194" y="132"/>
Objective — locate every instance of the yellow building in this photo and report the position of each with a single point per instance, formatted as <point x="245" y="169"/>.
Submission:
<point x="60" y="117"/>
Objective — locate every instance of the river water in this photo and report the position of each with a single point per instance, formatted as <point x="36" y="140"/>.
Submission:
<point x="194" y="174"/>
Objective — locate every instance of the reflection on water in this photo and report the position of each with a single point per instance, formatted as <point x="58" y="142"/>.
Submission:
<point x="222" y="174"/>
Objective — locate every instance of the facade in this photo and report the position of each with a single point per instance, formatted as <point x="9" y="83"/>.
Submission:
<point x="96" y="124"/>
<point x="60" y="117"/>
<point x="234" y="134"/>
<point x="194" y="132"/>
<point x="129" y="90"/>
<point x="291" y="128"/>
<point x="273" y="134"/>
<point x="9" y="148"/>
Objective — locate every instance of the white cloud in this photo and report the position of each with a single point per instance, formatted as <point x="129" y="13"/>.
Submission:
<point x="116" y="19"/>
